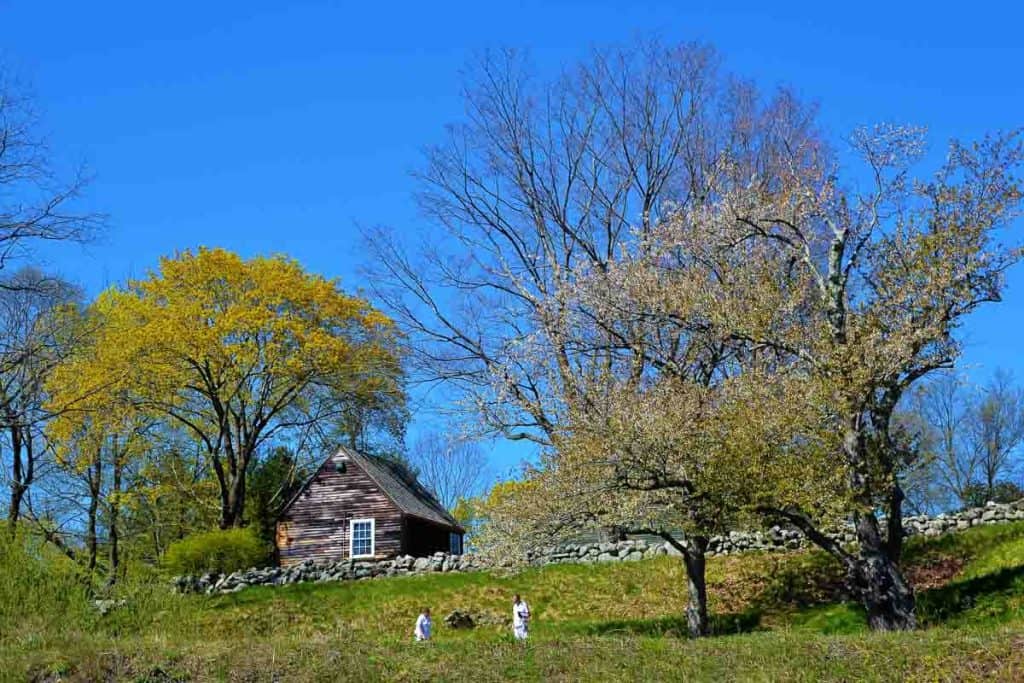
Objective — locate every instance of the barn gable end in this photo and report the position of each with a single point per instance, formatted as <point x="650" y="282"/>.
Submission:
<point x="315" y="524"/>
<point x="388" y="509"/>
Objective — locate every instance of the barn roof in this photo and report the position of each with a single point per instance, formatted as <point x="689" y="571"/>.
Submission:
<point x="396" y="482"/>
<point x="400" y="486"/>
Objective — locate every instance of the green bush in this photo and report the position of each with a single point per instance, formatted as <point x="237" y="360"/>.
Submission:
<point x="40" y="590"/>
<point x="223" y="551"/>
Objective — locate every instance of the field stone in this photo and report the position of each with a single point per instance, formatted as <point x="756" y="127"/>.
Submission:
<point x="105" y="607"/>
<point x="459" y="620"/>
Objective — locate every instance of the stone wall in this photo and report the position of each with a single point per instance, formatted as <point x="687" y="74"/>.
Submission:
<point x="773" y="539"/>
<point x="344" y="570"/>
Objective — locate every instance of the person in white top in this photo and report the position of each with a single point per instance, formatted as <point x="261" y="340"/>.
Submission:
<point x="520" y="617"/>
<point x="423" y="624"/>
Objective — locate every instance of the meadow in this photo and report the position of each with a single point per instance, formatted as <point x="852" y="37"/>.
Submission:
<point x="777" y="617"/>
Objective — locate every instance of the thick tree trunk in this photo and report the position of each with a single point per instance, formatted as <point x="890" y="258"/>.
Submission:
<point x="232" y="486"/>
<point x="233" y="503"/>
<point x="874" y="573"/>
<point x="894" y="523"/>
<point x="227" y="519"/>
<point x="697" y="602"/>
<point x="876" y="577"/>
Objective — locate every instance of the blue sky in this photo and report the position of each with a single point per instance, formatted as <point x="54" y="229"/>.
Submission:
<point x="278" y="127"/>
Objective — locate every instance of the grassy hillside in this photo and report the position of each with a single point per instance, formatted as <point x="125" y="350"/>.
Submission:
<point x="779" y="617"/>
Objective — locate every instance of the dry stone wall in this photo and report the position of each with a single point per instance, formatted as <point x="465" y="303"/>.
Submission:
<point x="774" y="539"/>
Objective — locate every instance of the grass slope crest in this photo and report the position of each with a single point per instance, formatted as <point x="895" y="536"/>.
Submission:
<point x="777" y="616"/>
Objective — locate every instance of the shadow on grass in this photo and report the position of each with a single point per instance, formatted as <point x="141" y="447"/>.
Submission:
<point x="721" y="624"/>
<point x="842" y="618"/>
<point x="940" y="604"/>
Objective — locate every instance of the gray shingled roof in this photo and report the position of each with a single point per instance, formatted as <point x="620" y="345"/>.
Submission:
<point x="400" y="486"/>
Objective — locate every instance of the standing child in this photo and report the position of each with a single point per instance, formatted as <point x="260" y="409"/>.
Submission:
<point x="423" y="624"/>
<point x="520" y="617"/>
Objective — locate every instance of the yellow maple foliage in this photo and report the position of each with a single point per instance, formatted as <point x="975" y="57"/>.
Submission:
<point x="236" y="351"/>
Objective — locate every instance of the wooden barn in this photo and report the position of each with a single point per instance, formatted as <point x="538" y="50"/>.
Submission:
<point x="359" y="506"/>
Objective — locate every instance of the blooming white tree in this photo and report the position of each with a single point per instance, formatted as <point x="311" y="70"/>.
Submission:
<point x="860" y="294"/>
<point x="541" y="193"/>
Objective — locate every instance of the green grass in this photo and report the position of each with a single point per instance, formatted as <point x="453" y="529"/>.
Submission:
<point x="778" y="617"/>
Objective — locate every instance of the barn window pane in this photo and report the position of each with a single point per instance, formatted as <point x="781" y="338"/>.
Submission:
<point x="455" y="543"/>
<point x="361" y="537"/>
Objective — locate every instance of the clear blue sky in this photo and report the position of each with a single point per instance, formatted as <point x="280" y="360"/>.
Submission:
<point x="262" y="129"/>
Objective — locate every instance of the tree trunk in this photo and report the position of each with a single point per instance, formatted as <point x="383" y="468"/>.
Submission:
<point x="20" y="479"/>
<point x="876" y="578"/>
<point x="232" y="486"/>
<point x="94" y="478"/>
<point x="114" y="514"/>
<point x="874" y="573"/>
<point x="233" y="504"/>
<point x="14" y="511"/>
<point x="697" y="602"/>
<point x="894" y="522"/>
<point x="227" y="516"/>
<point x="990" y="484"/>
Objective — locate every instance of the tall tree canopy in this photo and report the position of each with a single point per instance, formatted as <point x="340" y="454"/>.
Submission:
<point x="645" y="223"/>
<point x="857" y="293"/>
<point x="542" y="191"/>
<point x="546" y="182"/>
<point x="237" y="353"/>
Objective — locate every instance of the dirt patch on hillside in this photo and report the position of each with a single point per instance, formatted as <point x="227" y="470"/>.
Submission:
<point x="935" y="573"/>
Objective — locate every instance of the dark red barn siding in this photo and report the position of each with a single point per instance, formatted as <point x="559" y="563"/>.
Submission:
<point x="315" y="526"/>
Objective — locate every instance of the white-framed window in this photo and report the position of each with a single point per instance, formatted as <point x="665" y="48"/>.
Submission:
<point x="360" y="537"/>
<point x="454" y="543"/>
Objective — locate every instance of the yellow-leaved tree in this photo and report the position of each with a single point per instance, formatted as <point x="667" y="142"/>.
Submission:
<point x="237" y="353"/>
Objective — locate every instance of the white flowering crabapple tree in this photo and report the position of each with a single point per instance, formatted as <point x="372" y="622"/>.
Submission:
<point x="535" y="196"/>
<point x="858" y="293"/>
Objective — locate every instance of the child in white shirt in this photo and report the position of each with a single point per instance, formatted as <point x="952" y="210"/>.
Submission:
<point x="423" y="625"/>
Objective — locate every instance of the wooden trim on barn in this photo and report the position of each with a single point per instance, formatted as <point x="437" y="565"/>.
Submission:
<point x="352" y="538"/>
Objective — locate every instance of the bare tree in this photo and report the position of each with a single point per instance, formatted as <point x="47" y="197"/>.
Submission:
<point x="544" y="184"/>
<point x="995" y="430"/>
<point x="36" y="203"/>
<point x="30" y="346"/>
<point x="536" y="194"/>
<point x="969" y="436"/>
<point x="452" y="469"/>
<point x="940" y="413"/>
